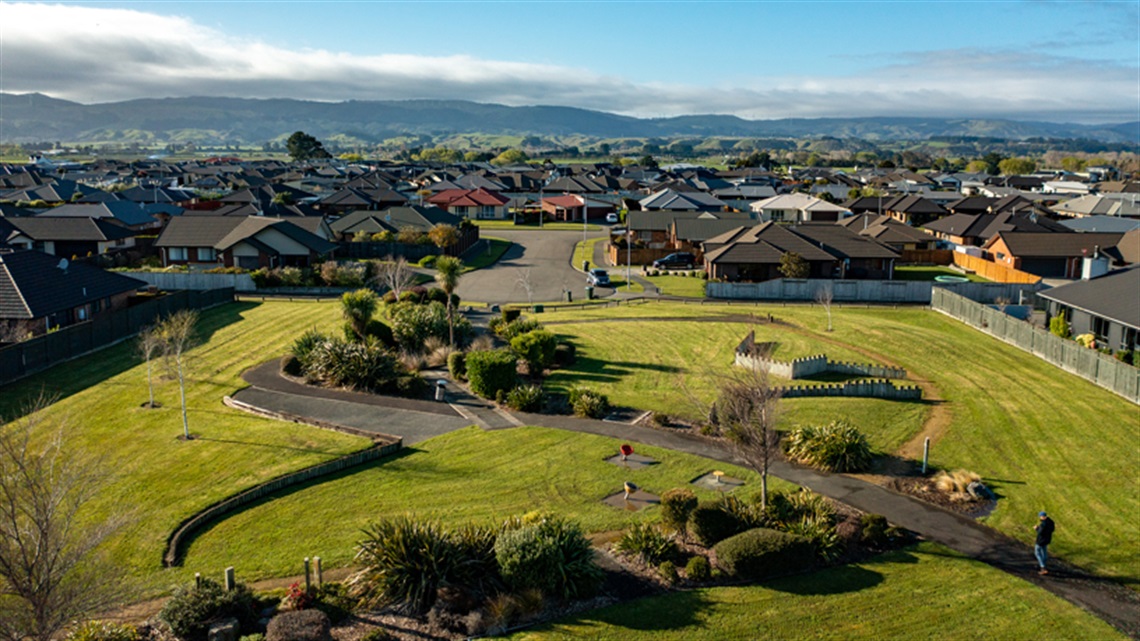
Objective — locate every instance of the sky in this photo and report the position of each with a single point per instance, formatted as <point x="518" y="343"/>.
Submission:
<point x="1068" y="61"/>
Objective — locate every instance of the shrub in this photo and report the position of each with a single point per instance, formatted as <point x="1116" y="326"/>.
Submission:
<point x="491" y="372"/>
<point x="760" y="553"/>
<point x="457" y="365"/>
<point x="710" y="524"/>
<point x="292" y="277"/>
<point x="297" y="598"/>
<point x="551" y="556"/>
<point x="333" y="599"/>
<point x="303" y="347"/>
<point x="381" y="332"/>
<point x="785" y="507"/>
<point x="822" y="535"/>
<point x="512" y="329"/>
<point x="525" y="398"/>
<point x="1059" y="326"/>
<point x="873" y="530"/>
<point x="436" y="294"/>
<point x="564" y="354"/>
<point x="676" y="506"/>
<point x="408" y="296"/>
<point x="362" y="366"/>
<point x="427" y="261"/>
<point x="299" y="625"/>
<point x="536" y="348"/>
<point x="379" y="634"/>
<point x="192" y="609"/>
<point x="511" y="315"/>
<point x="646" y="542"/>
<point x="698" y="569"/>
<point x="411" y="386"/>
<point x="1125" y="356"/>
<point x="413" y="324"/>
<point x="252" y="637"/>
<point x="668" y="571"/>
<point x="104" y="631"/>
<point x="405" y="562"/>
<point x="835" y="447"/>
<point x="263" y="278"/>
<point x="659" y="419"/>
<point x="588" y="403"/>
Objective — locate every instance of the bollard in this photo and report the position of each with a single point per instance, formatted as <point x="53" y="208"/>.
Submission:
<point x="925" y="454"/>
<point x="197" y="579"/>
<point x="318" y="572"/>
<point x="441" y="390"/>
<point x="230" y="583"/>
<point x="308" y="583"/>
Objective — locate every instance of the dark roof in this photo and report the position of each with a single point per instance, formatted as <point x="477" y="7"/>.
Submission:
<point x="913" y="205"/>
<point x="395" y="218"/>
<point x="764" y="243"/>
<point x="77" y="229"/>
<point x="986" y="226"/>
<point x="33" y="286"/>
<point x="1112" y="296"/>
<point x="223" y="232"/>
<point x="842" y="242"/>
<point x="699" y="229"/>
<point x="1054" y="245"/>
<point x="124" y="211"/>
<point x="663" y="220"/>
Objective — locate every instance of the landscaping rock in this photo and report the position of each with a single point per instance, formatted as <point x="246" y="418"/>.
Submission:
<point x="224" y="630"/>
<point x="299" y="625"/>
<point x="979" y="491"/>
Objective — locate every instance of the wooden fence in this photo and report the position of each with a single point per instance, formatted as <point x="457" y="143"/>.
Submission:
<point x="990" y="270"/>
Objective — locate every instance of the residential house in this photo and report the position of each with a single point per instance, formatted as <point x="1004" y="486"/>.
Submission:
<point x="889" y="232"/>
<point x="754" y="253"/>
<point x="798" y="208"/>
<point x="572" y="207"/>
<point x="1048" y="254"/>
<point x="654" y="229"/>
<point x="913" y="210"/>
<point x="40" y="292"/>
<point x="124" y="213"/>
<point x="69" y="237"/>
<point x="673" y="200"/>
<point x="472" y="203"/>
<point x="975" y="229"/>
<point x="859" y="256"/>
<point x="1121" y="205"/>
<point x="250" y="243"/>
<point x="1106" y="306"/>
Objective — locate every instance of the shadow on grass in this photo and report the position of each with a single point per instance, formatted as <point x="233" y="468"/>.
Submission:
<point x="71" y="377"/>
<point x="840" y="580"/>
<point x="604" y="371"/>
<point x="654" y="614"/>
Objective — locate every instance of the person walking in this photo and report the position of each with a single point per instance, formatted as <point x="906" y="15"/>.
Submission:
<point x="1044" y="530"/>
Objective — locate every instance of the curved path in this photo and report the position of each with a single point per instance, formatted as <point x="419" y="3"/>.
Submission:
<point x="1106" y="599"/>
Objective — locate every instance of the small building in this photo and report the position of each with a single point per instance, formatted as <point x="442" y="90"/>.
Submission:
<point x="40" y="292"/>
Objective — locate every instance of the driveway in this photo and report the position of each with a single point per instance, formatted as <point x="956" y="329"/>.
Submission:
<point x="542" y="257"/>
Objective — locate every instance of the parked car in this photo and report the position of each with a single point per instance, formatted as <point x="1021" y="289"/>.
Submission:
<point x="612" y="218"/>
<point x="680" y="260"/>
<point x="598" y="278"/>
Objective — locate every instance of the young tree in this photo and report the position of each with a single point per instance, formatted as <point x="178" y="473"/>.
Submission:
<point x="444" y="236"/>
<point x="448" y="269"/>
<point x="792" y="265"/>
<point x="357" y="308"/>
<point x="746" y="410"/>
<point x="824" y="296"/>
<point x="177" y="335"/>
<point x="395" y="274"/>
<point x="50" y="572"/>
<point x="524" y="281"/>
<point x="150" y="346"/>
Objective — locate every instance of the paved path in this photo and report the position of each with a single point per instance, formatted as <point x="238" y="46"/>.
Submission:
<point x="544" y="254"/>
<point x="1106" y="599"/>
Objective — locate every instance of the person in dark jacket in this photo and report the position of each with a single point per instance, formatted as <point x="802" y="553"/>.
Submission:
<point x="1044" y="529"/>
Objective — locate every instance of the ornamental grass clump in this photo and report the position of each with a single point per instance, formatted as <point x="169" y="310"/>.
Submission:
<point x="835" y="447"/>
<point x="647" y="542"/>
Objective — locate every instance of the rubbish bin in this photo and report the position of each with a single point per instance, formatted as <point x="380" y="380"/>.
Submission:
<point x="589" y="292"/>
<point x="440" y="390"/>
<point x="569" y="296"/>
<point x="538" y="309"/>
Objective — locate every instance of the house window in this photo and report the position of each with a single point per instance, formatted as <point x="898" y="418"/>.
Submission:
<point x="119" y="242"/>
<point x="646" y="236"/>
<point x="777" y="215"/>
<point x="176" y="253"/>
<point x="460" y="211"/>
<point x="1129" y="338"/>
<point x="487" y="211"/>
<point x="97" y="306"/>
<point x="1100" y="328"/>
<point x="206" y="254"/>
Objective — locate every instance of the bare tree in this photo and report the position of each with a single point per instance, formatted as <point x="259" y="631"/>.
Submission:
<point x="524" y="281"/>
<point x="746" y="410"/>
<point x="395" y="274"/>
<point x="824" y="296"/>
<point x="51" y="573"/>
<point x="149" y="346"/>
<point x="177" y="334"/>
<point x="15" y="331"/>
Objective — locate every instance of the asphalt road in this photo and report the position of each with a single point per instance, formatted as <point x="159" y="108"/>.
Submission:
<point x="542" y="257"/>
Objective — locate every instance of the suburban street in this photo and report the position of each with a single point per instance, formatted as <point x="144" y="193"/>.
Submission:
<point x="543" y="255"/>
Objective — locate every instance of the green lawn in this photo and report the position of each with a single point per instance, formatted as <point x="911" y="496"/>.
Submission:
<point x="584" y="250"/>
<point x="925" y="592"/>
<point x="496" y="247"/>
<point x="929" y="272"/>
<point x="468" y="475"/>
<point x="160" y="480"/>
<point x="1042" y="438"/>
<point x="674" y="285"/>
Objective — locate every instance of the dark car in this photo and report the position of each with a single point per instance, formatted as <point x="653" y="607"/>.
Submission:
<point x="680" y="260"/>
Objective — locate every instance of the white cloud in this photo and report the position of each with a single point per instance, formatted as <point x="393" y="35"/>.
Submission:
<point x="94" y="54"/>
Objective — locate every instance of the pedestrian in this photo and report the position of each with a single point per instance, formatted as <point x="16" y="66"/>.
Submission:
<point x="1044" y="530"/>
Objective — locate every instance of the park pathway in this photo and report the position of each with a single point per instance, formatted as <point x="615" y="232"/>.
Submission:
<point x="1107" y="599"/>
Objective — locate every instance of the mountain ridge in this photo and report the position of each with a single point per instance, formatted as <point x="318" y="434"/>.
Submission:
<point x="37" y="117"/>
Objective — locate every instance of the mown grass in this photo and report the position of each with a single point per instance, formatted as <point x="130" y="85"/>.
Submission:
<point x="675" y="285"/>
<point x="496" y="247"/>
<point x="159" y="480"/>
<point x="925" y="592"/>
<point x="1042" y="438"/>
<point x="466" y="476"/>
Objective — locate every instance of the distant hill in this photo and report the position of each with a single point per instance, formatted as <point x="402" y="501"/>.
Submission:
<point x="36" y="118"/>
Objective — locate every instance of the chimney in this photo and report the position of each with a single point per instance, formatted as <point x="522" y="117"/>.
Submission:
<point x="1096" y="265"/>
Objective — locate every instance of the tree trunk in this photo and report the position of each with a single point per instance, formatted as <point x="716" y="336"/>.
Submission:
<point x="450" y="324"/>
<point x="150" y="381"/>
<point x="764" y="491"/>
<point x="182" y="394"/>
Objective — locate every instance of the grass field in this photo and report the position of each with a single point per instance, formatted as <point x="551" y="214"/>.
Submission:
<point x="925" y="592"/>
<point x="930" y="272"/>
<point x="583" y="251"/>
<point x="162" y="479"/>
<point x="1042" y="438"/>
<point x="674" y="285"/>
<point x="468" y="475"/>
